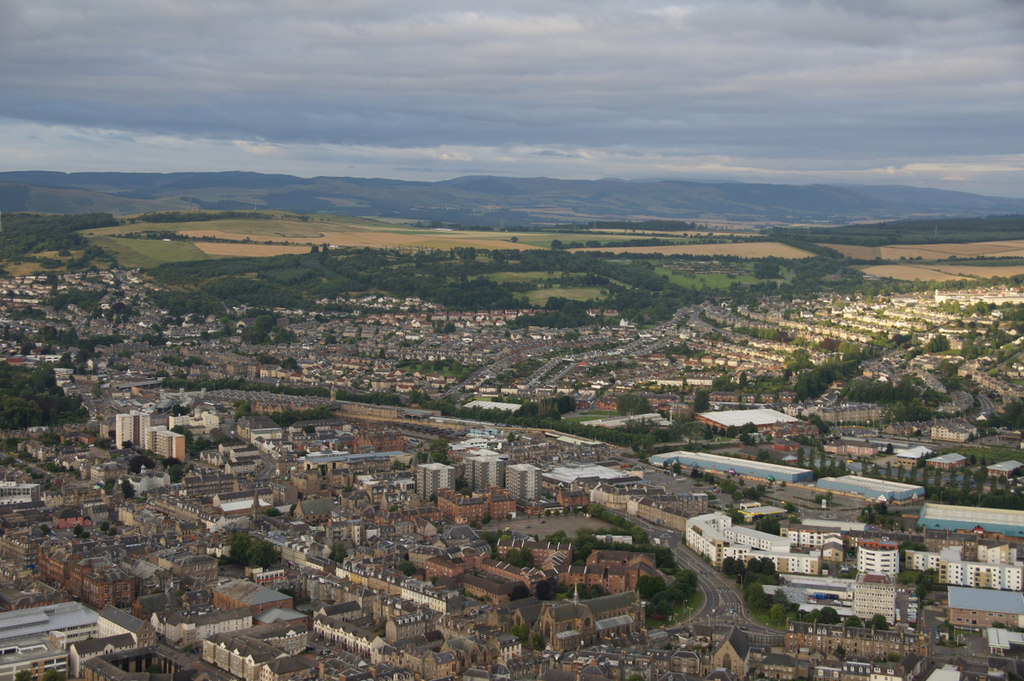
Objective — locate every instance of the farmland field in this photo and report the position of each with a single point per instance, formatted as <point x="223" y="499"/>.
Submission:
<point x="857" y="252"/>
<point x="760" y="249"/>
<point x="149" y="252"/>
<point x="977" y="249"/>
<point x="943" y="272"/>
<point x="220" y="249"/>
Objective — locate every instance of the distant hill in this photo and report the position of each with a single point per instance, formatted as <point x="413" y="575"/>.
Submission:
<point x="486" y="200"/>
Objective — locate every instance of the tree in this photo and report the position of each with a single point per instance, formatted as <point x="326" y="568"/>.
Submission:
<point x="879" y="622"/>
<point x="263" y="554"/>
<point x="648" y="586"/>
<point x="828" y="615"/>
<point x="238" y="548"/>
<point x="439" y="451"/>
<point x="337" y="552"/>
<point x="127" y="489"/>
<point x="854" y="621"/>
<point x="701" y="401"/>
<point x="53" y="675"/>
<point x="23" y="675"/>
<point x="406" y="567"/>
<point x="520" y="631"/>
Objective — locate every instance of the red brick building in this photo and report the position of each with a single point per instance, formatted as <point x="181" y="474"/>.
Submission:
<point x="239" y="593"/>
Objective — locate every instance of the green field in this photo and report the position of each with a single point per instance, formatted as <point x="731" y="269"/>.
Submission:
<point x="149" y="252"/>
<point x="540" y="296"/>
<point x="705" y="279"/>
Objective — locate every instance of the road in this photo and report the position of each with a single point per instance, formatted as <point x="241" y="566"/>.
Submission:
<point x="722" y="604"/>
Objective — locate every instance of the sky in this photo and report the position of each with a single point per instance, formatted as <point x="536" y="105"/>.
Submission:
<point x="926" y="93"/>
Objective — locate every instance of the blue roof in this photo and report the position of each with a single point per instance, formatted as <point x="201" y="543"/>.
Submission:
<point x="989" y="600"/>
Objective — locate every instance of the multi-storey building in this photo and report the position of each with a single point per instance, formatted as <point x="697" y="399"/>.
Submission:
<point x="996" y="567"/>
<point x="431" y="478"/>
<point x="131" y="428"/>
<point x="715" y="537"/>
<point x="808" y="638"/>
<point x="485" y="471"/>
<point x="879" y="557"/>
<point x="874" y="594"/>
<point x="522" y="480"/>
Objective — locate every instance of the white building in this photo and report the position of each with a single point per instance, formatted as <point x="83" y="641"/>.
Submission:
<point x="878" y="557"/>
<point x="714" y="536"/>
<point x="874" y="594"/>
<point x="997" y="567"/>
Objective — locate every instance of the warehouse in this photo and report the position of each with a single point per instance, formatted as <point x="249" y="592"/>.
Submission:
<point x="760" y="418"/>
<point x="970" y="518"/>
<point x="871" y="488"/>
<point x="724" y="464"/>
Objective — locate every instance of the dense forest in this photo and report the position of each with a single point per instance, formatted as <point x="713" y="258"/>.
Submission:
<point x="30" y="397"/>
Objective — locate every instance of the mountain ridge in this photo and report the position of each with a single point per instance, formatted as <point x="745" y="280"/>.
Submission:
<point x="489" y="199"/>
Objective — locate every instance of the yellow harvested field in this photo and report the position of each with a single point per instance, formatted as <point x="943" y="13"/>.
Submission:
<point x="763" y="249"/>
<point x="943" y="272"/>
<point x="219" y="248"/>
<point x="976" y="249"/>
<point x="857" y="252"/>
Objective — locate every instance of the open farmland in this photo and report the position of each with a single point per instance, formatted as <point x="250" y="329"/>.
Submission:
<point x="976" y="249"/>
<point x="856" y="252"/>
<point x="219" y="249"/>
<point x="149" y="252"/>
<point x="760" y="249"/>
<point x="909" y="272"/>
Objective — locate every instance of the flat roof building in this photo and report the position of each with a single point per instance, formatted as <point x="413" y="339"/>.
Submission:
<point x="872" y="488"/>
<point x="975" y="608"/>
<point x="741" y="417"/>
<point x="727" y="464"/>
<point x="971" y="518"/>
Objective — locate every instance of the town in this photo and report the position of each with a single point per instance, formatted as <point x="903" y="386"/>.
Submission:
<point x="385" y="488"/>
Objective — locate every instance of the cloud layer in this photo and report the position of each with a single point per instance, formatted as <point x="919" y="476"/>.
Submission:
<point x="926" y="92"/>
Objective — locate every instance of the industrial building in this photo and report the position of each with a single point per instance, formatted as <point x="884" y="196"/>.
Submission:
<point x="872" y="488"/>
<point x="970" y="518"/>
<point x="759" y="418"/>
<point x="759" y="470"/>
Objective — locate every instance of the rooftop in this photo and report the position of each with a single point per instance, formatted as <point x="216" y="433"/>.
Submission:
<point x="989" y="600"/>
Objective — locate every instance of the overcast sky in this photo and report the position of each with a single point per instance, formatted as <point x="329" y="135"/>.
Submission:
<point x="918" y="92"/>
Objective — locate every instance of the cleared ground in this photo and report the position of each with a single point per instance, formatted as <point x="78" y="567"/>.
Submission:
<point x="544" y="526"/>
<point x="540" y="296"/>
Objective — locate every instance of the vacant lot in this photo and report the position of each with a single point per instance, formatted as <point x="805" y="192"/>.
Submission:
<point x="545" y="526"/>
<point x="742" y="250"/>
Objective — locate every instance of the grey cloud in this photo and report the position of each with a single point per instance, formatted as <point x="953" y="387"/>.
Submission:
<point x="757" y="80"/>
